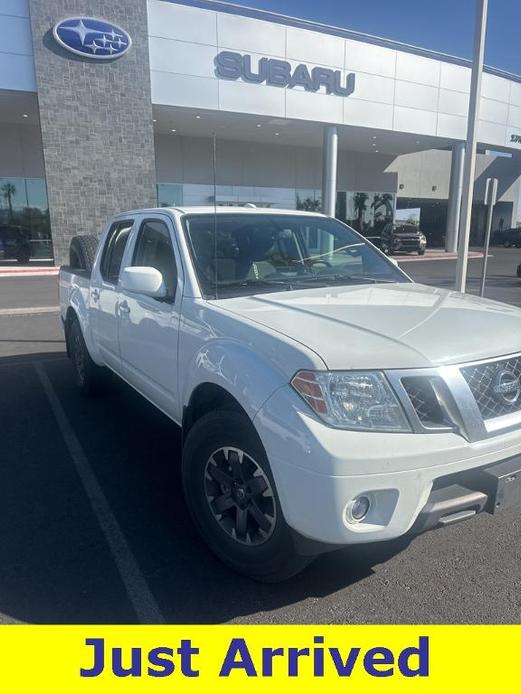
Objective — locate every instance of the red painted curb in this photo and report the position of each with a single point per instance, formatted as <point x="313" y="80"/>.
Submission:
<point x="434" y="256"/>
<point x="13" y="271"/>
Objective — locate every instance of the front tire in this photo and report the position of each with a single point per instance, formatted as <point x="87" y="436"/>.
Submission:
<point x="231" y="494"/>
<point x="90" y="378"/>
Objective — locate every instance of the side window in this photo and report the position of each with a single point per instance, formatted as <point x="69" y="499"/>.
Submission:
<point x="154" y="249"/>
<point x="113" y="251"/>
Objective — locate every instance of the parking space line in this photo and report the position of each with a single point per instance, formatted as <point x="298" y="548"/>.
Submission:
<point x="139" y="593"/>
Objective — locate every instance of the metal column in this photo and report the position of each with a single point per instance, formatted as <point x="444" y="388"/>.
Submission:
<point x="472" y="136"/>
<point x="329" y="170"/>
<point x="455" y="193"/>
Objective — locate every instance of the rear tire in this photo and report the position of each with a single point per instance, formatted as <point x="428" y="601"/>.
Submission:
<point x="82" y="252"/>
<point x="91" y="379"/>
<point x="231" y="494"/>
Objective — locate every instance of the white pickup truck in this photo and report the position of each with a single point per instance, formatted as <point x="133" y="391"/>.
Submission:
<point x="325" y="399"/>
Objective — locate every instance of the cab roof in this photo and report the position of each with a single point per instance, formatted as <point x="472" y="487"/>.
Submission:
<point x="209" y="209"/>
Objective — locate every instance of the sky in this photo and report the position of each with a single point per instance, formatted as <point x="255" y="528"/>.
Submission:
<point x="441" y="25"/>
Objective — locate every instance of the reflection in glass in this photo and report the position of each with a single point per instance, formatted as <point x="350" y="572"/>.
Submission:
<point x="309" y="200"/>
<point x="240" y="254"/>
<point x="372" y="214"/>
<point x="169" y="194"/>
<point x="25" y="231"/>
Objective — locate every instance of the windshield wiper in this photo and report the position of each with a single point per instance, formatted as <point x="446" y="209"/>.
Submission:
<point x="343" y="278"/>
<point x="299" y="282"/>
<point x="254" y="283"/>
<point x="250" y="282"/>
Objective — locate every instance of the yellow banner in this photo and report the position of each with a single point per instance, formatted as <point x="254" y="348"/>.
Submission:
<point x="216" y="659"/>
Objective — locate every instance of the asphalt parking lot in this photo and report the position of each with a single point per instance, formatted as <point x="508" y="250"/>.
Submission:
<point x="94" y="527"/>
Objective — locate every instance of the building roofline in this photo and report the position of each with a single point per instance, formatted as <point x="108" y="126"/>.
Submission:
<point x="268" y="16"/>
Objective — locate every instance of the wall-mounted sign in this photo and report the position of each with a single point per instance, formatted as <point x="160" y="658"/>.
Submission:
<point x="279" y="73"/>
<point x="92" y="38"/>
<point x="515" y="138"/>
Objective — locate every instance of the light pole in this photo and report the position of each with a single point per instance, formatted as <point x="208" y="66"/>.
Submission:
<point x="470" y="151"/>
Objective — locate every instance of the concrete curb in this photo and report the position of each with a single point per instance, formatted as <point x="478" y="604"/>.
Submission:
<point x="28" y="271"/>
<point x="435" y="256"/>
<point x="28" y="311"/>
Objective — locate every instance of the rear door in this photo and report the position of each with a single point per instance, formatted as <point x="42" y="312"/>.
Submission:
<point x="104" y="293"/>
<point x="149" y="327"/>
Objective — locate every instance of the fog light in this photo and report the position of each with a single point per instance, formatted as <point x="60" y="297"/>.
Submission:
<point x="358" y="509"/>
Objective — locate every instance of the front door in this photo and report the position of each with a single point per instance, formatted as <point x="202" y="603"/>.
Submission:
<point x="148" y="327"/>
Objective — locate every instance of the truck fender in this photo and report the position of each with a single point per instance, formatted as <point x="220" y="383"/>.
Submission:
<point x="245" y="374"/>
<point x="78" y="307"/>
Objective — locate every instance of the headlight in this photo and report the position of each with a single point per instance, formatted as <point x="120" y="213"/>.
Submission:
<point x="361" y="400"/>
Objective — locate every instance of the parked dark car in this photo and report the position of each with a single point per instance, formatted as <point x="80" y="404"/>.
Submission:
<point x="508" y="237"/>
<point x="13" y="244"/>
<point x="402" y="237"/>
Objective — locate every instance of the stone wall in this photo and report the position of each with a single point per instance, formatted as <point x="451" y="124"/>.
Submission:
<point x="96" y="121"/>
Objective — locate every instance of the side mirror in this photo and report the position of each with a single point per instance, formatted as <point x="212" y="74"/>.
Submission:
<point x="143" y="280"/>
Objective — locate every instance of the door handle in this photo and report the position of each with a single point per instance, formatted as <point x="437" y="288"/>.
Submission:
<point x="124" y="307"/>
<point x="95" y="294"/>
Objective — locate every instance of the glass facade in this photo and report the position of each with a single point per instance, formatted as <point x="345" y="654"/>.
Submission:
<point x="369" y="213"/>
<point x="24" y="215"/>
<point x="169" y="194"/>
<point x="308" y="199"/>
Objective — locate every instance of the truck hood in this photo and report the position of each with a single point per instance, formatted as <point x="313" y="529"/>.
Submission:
<point x="387" y="326"/>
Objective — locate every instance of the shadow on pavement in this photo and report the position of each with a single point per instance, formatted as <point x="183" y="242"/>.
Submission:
<point x="56" y="565"/>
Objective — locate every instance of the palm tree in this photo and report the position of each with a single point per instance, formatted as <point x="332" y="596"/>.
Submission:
<point x="384" y="200"/>
<point x="359" y="202"/>
<point x="9" y="191"/>
<point x="309" y="204"/>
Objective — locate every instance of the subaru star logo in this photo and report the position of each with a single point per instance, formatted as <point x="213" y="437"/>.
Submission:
<point x="506" y="387"/>
<point x="92" y="38"/>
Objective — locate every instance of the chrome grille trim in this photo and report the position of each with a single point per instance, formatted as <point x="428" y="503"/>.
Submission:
<point x="505" y="422"/>
<point x="481" y="378"/>
<point x="457" y="400"/>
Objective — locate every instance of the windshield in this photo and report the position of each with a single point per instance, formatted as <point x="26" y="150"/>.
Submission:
<point x="239" y="254"/>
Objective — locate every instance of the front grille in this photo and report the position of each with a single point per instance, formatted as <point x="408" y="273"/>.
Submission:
<point x="423" y="398"/>
<point x="486" y="381"/>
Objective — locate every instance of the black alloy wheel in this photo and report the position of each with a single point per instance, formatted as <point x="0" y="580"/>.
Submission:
<point x="240" y="496"/>
<point x="232" y="497"/>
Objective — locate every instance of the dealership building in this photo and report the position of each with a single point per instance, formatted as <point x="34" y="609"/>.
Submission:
<point x="201" y="103"/>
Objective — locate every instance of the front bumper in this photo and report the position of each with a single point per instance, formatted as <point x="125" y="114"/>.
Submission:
<point x="319" y="470"/>
<point x="411" y="243"/>
<point x="462" y="495"/>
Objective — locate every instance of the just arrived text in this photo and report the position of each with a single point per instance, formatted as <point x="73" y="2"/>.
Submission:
<point x="164" y="661"/>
